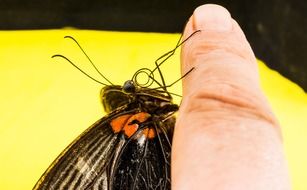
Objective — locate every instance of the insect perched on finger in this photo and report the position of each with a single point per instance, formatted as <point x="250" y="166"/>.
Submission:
<point x="130" y="147"/>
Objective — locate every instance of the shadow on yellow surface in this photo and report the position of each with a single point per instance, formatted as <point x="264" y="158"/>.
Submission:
<point x="46" y="103"/>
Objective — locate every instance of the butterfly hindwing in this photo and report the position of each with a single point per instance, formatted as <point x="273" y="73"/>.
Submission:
<point x="145" y="162"/>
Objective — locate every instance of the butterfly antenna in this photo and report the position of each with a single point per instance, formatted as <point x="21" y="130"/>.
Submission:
<point x="70" y="37"/>
<point x="167" y="86"/>
<point x="58" y="55"/>
<point x="167" y="55"/>
<point x="180" y="78"/>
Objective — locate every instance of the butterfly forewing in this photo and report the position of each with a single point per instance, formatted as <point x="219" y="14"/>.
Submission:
<point x="83" y="161"/>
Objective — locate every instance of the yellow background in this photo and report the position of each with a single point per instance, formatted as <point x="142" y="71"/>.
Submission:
<point x="45" y="103"/>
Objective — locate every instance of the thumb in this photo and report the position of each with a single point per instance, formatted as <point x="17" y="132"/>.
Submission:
<point x="226" y="136"/>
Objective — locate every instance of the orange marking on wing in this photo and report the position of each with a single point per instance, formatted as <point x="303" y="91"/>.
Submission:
<point x="129" y="129"/>
<point x="149" y="133"/>
<point x="118" y="123"/>
<point x="141" y="117"/>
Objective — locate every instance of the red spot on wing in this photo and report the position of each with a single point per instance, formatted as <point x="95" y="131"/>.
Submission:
<point x="150" y="133"/>
<point x="129" y="130"/>
<point x="118" y="123"/>
<point x="124" y="123"/>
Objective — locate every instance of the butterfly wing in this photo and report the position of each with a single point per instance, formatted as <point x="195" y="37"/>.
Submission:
<point x="83" y="163"/>
<point x="88" y="162"/>
<point x="145" y="163"/>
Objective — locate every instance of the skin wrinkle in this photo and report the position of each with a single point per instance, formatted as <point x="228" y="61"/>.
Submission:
<point x="224" y="130"/>
<point x="213" y="66"/>
<point x="243" y="94"/>
<point x="213" y="132"/>
<point x="240" y="107"/>
<point x="206" y="48"/>
<point x="209" y="44"/>
<point x="201" y="44"/>
<point x="235" y="91"/>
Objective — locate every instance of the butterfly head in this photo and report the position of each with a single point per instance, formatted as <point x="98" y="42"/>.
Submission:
<point x="129" y="87"/>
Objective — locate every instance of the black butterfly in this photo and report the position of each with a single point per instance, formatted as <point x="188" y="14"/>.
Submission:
<point x="129" y="148"/>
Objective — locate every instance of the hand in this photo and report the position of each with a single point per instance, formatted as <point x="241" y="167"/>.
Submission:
<point x="226" y="136"/>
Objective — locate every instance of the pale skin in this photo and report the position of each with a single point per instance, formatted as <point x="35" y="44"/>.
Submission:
<point x="226" y="136"/>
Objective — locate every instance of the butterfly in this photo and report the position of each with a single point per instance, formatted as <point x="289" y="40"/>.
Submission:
<point x="130" y="147"/>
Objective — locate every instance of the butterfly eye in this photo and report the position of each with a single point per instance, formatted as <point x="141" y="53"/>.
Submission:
<point x="129" y="87"/>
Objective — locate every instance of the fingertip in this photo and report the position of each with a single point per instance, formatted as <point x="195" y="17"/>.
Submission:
<point x="209" y="17"/>
<point x="212" y="17"/>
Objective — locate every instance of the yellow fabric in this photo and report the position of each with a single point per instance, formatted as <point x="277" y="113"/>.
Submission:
<point x="46" y="103"/>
